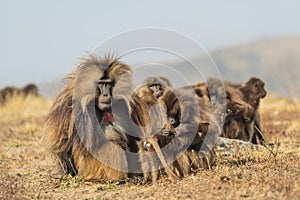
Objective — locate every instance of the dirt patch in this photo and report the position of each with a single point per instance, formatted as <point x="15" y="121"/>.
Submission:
<point x="28" y="172"/>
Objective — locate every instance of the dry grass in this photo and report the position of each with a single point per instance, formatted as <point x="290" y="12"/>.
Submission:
<point x="27" y="172"/>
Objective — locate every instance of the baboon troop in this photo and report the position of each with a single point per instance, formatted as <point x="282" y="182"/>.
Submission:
<point x="101" y="128"/>
<point x="242" y="101"/>
<point x="9" y="92"/>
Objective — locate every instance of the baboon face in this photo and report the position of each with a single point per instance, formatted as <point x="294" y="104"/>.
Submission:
<point x="257" y="87"/>
<point x="104" y="93"/>
<point x="173" y="115"/>
<point x="156" y="89"/>
<point x="173" y="112"/>
<point x="202" y="93"/>
<point x="153" y="88"/>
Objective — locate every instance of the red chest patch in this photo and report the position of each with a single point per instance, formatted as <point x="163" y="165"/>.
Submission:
<point x="108" y="117"/>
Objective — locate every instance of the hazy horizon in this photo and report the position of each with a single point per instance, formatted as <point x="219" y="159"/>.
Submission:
<point x="42" y="41"/>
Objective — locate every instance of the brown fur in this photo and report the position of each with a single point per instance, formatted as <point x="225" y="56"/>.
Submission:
<point x="31" y="89"/>
<point x="238" y="111"/>
<point x="195" y="124"/>
<point x="146" y="94"/>
<point x="73" y="126"/>
<point x="242" y="102"/>
<point x="151" y="157"/>
<point x="253" y="90"/>
<point x="9" y="92"/>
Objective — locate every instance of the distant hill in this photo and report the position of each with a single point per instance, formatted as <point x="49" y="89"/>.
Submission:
<point x="276" y="61"/>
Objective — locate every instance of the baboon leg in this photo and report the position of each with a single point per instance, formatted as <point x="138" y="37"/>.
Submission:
<point x="169" y="172"/>
<point x="249" y="129"/>
<point x="183" y="164"/>
<point x="146" y="166"/>
<point x="259" y="137"/>
<point x="154" y="172"/>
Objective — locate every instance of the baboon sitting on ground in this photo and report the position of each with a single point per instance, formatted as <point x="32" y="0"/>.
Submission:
<point x="151" y="158"/>
<point x="188" y="117"/>
<point x="88" y="125"/>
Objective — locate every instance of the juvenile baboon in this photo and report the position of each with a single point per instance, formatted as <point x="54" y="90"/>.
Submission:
<point x="189" y="119"/>
<point x="30" y="89"/>
<point x="153" y="88"/>
<point x="239" y="113"/>
<point x="253" y="90"/>
<point x="86" y="128"/>
<point x="151" y="143"/>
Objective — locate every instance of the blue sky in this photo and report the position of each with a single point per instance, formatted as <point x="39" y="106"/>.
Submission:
<point x="42" y="40"/>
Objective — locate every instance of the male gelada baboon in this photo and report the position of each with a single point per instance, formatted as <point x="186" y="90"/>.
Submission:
<point x="189" y="119"/>
<point x="151" y="158"/>
<point x="86" y="128"/>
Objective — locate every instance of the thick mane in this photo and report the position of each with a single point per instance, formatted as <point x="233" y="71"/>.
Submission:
<point x="74" y="104"/>
<point x="92" y="68"/>
<point x="121" y="74"/>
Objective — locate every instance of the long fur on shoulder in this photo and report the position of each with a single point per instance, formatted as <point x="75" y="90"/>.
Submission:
<point x="72" y="124"/>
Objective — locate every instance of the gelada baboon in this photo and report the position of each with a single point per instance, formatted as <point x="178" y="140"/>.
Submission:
<point x="189" y="119"/>
<point x="201" y="90"/>
<point x="238" y="112"/>
<point x="8" y="93"/>
<point x="30" y="89"/>
<point x="253" y="90"/>
<point x="151" y="158"/>
<point x="153" y="88"/>
<point x="84" y="128"/>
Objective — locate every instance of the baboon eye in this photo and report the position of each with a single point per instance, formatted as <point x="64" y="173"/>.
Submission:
<point x="199" y="93"/>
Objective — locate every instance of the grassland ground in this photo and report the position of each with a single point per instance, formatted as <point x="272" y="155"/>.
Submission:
<point x="28" y="172"/>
